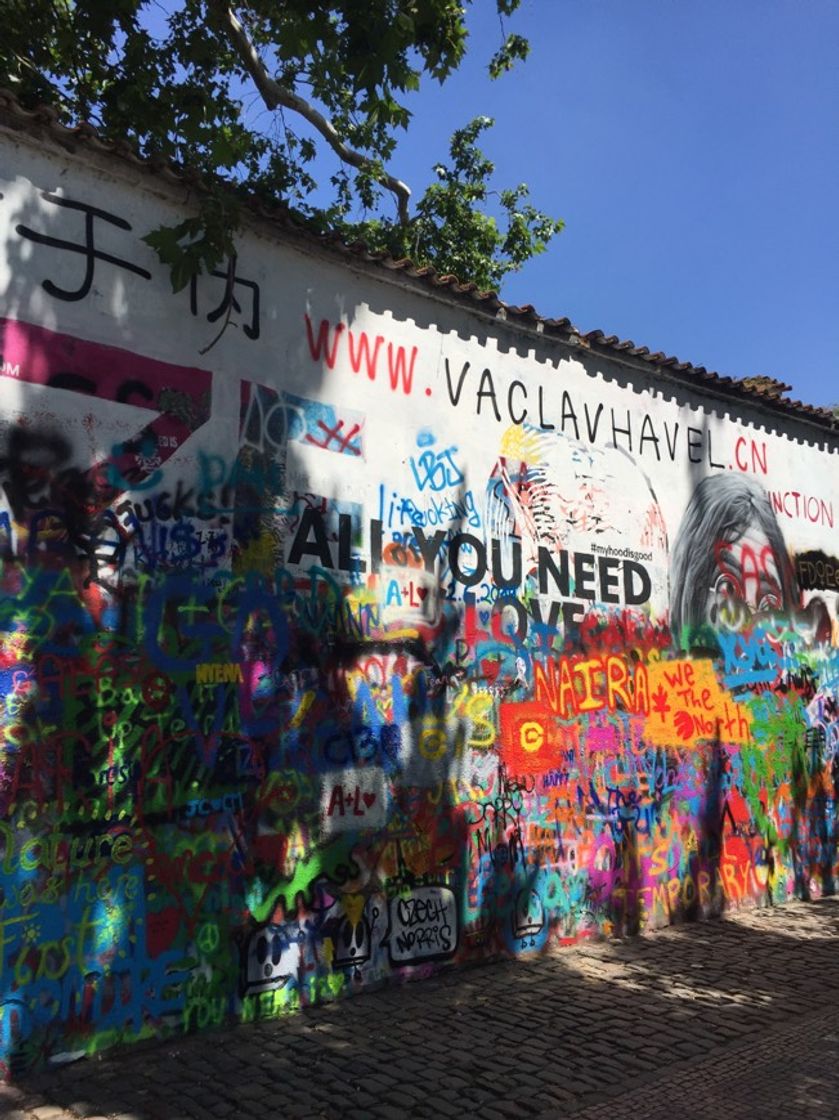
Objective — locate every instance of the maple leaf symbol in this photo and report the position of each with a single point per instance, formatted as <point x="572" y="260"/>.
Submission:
<point x="659" y="699"/>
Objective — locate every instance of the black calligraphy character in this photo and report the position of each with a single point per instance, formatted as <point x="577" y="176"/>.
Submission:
<point x="228" y="299"/>
<point x="86" y="248"/>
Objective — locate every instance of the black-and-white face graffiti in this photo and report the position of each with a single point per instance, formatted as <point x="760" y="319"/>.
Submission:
<point x="549" y="492"/>
<point x="748" y="580"/>
<point x="730" y="566"/>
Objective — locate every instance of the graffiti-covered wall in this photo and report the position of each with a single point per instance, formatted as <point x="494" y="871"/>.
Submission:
<point x="377" y="637"/>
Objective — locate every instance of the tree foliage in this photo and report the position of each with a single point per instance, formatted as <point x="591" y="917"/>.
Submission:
<point x="251" y="95"/>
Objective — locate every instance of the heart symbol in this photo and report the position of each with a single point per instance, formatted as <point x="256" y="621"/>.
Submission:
<point x="483" y="616"/>
<point x="422" y="592"/>
<point x="368" y="799"/>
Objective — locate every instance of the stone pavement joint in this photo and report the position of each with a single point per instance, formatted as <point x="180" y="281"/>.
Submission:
<point x="735" y="1018"/>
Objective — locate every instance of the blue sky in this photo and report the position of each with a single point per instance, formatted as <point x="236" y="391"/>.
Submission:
<point x="693" y="151"/>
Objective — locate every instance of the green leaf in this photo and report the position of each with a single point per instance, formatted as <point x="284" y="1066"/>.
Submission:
<point x="179" y="90"/>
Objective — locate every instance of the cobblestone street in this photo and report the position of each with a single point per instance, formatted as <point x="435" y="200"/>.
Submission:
<point x="735" y="1018"/>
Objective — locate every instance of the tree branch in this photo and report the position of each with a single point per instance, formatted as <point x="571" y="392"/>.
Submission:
<point x="273" y="93"/>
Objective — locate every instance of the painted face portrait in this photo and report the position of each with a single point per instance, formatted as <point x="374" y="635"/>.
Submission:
<point x="730" y="565"/>
<point x="549" y="492"/>
<point x="748" y="581"/>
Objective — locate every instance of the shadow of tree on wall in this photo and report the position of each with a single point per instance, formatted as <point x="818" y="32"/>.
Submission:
<point x="691" y="1018"/>
<point x="233" y="784"/>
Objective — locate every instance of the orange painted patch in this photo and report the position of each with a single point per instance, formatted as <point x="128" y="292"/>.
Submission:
<point x="530" y="738"/>
<point x="688" y="706"/>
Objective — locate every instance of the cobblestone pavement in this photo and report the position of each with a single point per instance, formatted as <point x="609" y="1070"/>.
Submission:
<point x="737" y="1018"/>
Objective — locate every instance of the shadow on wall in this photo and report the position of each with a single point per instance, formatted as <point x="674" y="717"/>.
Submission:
<point x="710" y="991"/>
<point x="263" y="746"/>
